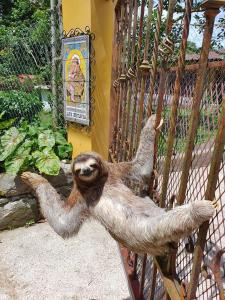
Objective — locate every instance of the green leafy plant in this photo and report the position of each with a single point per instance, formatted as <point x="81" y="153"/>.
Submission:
<point x="47" y="161"/>
<point x="20" y="104"/>
<point x="33" y="146"/>
<point x="10" y="141"/>
<point x="6" y="123"/>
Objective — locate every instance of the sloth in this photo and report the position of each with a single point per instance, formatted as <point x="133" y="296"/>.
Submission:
<point x="100" y="192"/>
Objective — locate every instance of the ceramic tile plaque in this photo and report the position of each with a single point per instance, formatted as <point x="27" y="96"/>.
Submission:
<point x="76" y="79"/>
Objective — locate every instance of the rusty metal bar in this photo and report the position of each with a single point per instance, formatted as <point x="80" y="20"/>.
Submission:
<point x="131" y="274"/>
<point x="152" y="289"/>
<point x="123" y="77"/>
<point x="161" y="89"/>
<point x="144" y="69"/>
<point x="155" y="57"/>
<point x="113" y="90"/>
<point x="195" y="67"/>
<point x="162" y="81"/>
<point x="175" y="101"/>
<point x="210" y="14"/>
<point x="130" y="76"/>
<point x="123" y="80"/>
<point x="209" y="195"/>
<point x="215" y="267"/>
<point x="171" y="283"/>
<point x="129" y="82"/>
<point x="142" y="284"/>
<point x="136" y="83"/>
<point x="120" y="78"/>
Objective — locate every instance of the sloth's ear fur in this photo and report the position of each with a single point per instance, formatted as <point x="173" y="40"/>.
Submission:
<point x="102" y="166"/>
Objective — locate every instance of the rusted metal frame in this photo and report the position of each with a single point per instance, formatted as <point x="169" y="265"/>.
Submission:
<point x="123" y="80"/>
<point x="126" y="129"/>
<point x="128" y="86"/>
<point x="198" y="93"/>
<point x="129" y="263"/>
<point x="153" y="283"/>
<point x="121" y="90"/>
<point x="136" y="82"/>
<point x="215" y="267"/>
<point x="162" y="81"/>
<point x="144" y="70"/>
<point x="155" y="57"/>
<point x="195" y="67"/>
<point x="131" y="75"/>
<point x="161" y="89"/>
<point x="171" y="282"/>
<point x="175" y="102"/>
<point x="209" y="195"/>
<point x="142" y="283"/>
<point x="162" y="86"/>
<point x="116" y="82"/>
<point x="114" y="90"/>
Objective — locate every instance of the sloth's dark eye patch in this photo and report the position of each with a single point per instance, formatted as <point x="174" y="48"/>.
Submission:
<point x="77" y="171"/>
<point x="95" y="166"/>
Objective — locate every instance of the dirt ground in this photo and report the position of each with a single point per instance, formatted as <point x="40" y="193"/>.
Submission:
<point x="35" y="263"/>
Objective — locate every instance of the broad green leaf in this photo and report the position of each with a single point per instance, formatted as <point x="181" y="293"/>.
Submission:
<point x="47" y="162"/>
<point x="9" y="142"/>
<point x="46" y="139"/>
<point x="33" y="130"/>
<point x="64" y="151"/>
<point x="2" y="114"/>
<point x="59" y="139"/>
<point x="20" y="158"/>
<point x="7" y="123"/>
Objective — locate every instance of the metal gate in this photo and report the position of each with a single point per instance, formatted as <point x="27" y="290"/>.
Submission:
<point x="154" y="72"/>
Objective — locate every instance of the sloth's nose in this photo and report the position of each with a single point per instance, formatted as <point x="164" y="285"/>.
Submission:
<point x="86" y="171"/>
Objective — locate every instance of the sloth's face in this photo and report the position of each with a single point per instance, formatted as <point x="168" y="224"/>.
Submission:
<point x="86" y="168"/>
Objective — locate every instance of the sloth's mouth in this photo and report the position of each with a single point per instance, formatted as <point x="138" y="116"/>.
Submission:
<point x="86" y="173"/>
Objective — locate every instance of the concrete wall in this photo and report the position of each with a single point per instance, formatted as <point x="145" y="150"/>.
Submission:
<point x="99" y="16"/>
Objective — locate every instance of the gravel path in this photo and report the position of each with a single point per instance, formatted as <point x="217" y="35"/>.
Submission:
<point x="37" y="264"/>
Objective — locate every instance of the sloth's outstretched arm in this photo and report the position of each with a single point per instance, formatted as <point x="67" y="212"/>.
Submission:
<point x="180" y="221"/>
<point x="141" y="166"/>
<point x="65" y="217"/>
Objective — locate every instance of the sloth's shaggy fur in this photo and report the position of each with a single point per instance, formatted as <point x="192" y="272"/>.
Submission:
<point x="99" y="192"/>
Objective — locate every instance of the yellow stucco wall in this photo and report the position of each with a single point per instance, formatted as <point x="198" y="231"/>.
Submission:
<point x="98" y="15"/>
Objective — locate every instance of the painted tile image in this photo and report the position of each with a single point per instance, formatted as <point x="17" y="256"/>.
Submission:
<point x="76" y="78"/>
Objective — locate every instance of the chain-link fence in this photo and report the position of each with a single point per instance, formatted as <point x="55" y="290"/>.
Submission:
<point x="30" y="64"/>
<point x="32" y="128"/>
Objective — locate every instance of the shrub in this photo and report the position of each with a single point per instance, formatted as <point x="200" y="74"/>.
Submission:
<point x="19" y="104"/>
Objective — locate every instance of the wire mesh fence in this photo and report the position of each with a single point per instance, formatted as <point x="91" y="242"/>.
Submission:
<point x="26" y="65"/>
<point x="160" y="69"/>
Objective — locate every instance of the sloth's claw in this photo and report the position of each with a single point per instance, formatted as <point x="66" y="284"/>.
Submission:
<point x="32" y="179"/>
<point x="160" y="125"/>
<point x="216" y="204"/>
